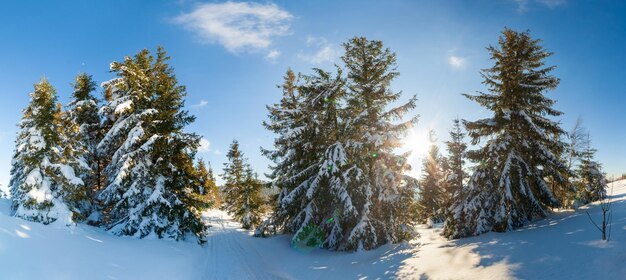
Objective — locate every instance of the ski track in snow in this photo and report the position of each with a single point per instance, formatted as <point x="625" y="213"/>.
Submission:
<point x="231" y="252"/>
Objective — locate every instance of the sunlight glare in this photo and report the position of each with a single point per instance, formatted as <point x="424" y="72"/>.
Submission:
<point x="417" y="142"/>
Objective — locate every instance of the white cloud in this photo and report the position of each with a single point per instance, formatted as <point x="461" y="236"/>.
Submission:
<point x="238" y="26"/>
<point x="217" y="152"/>
<point x="205" y="146"/>
<point x="456" y="62"/>
<point x="200" y="104"/>
<point x="272" y="55"/>
<point x="326" y="52"/>
<point x="522" y="5"/>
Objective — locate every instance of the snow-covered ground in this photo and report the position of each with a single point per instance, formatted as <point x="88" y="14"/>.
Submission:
<point x="35" y="251"/>
<point x="564" y="246"/>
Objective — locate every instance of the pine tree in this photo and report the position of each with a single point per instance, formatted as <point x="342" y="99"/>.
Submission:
<point x="151" y="176"/>
<point x="592" y="185"/>
<point x="431" y="186"/>
<point x="242" y="189"/>
<point x="509" y="185"/>
<point x="83" y="124"/>
<point x="44" y="186"/>
<point x="209" y="193"/>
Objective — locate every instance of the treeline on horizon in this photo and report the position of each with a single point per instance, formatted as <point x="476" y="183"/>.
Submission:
<point x="124" y="162"/>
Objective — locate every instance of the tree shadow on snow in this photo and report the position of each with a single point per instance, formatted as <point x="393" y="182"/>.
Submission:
<point x="384" y="262"/>
<point x="563" y="245"/>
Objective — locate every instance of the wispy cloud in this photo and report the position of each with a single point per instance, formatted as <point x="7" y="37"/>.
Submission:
<point x="457" y="62"/>
<point x="238" y="26"/>
<point x="522" y="6"/>
<point x="552" y="3"/>
<point x="205" y="146"/>
<point x="324" y="51"/>
<point x="272" y="55"/>
<point x="200" y="104"/>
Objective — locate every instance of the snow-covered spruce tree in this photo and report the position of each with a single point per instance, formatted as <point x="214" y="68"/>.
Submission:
<point x="83" y="119"/>
<point x="455" y="162"/>
<point x="43" y="185"/>
<point x="209" y="193"/>
<point x="307" y="122"/>
<point x="380" y="193"/>
<point x="509" y="185"/>
<point x="592" y="181"/>
<point x="286" y="119"/>
<point x="242" y="189"/>
<point x="454" y="168"/>
<point x="150" y="188"/>
<point x="432" y="186"/>
<point x="333" y="157"/>
<point x="321" y="201"/>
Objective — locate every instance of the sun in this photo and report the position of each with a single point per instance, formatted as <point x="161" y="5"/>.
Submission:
<point x="417" y="142"/>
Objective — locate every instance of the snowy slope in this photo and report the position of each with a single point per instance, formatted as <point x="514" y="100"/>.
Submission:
<point x="564" y="246"/>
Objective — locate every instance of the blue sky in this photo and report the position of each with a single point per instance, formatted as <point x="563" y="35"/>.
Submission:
<point x="232" y="55"/>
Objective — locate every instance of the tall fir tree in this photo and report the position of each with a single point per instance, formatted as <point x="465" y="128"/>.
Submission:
<point x="242" y="189"/>
<point x="83" y="119"/>
<point x="44" y="186"/>
<point x="381" y="194"/>
<point x="150" y="188"/>
<point x="592" y="181"/>
<point x="286" y="119"/>
<point x="334" y="158"/>
<point x="320" y="201"/>
<point x="432" y="185"/>
<point x="509" y="185"/>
